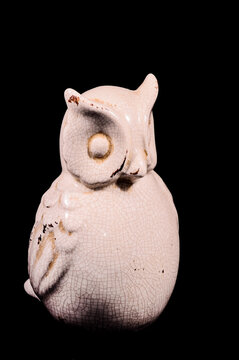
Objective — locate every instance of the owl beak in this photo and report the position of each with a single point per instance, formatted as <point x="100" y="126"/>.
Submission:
<point x="138" y="167"/>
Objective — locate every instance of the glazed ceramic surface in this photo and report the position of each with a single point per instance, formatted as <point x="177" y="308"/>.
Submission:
<point x="104" y="249"/>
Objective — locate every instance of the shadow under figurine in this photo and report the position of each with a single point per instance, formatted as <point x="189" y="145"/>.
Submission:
<point x="104" y="249"/>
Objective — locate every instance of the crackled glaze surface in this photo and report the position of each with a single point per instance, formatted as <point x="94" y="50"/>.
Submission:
<point x="104" y="249"/>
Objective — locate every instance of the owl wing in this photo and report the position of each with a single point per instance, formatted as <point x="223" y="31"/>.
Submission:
<point x="51" y="245"/>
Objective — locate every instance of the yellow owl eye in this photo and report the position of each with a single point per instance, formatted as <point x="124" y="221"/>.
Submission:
<point x="99" y="146"/>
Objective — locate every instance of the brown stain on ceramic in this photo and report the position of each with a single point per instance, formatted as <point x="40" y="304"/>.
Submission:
<point x="103" y="102"/>
<point x="52" y="263"/>
<point x="135" y="173"/>
<point x="61" y="227"/>
<point x="145" y="152"/>
<point x="106" y="155"/>
<point x="98" y="100"/>
<point x="74" y="99"/>
<point x="56" y="185"/>
<point x="40" y="249"/>
<point x="42" y="244"/>
<point x="63" y="230"/>
<point x="50" y="237"/>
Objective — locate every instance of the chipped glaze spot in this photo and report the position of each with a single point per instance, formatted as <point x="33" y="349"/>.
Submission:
<point x="74" y="99"/>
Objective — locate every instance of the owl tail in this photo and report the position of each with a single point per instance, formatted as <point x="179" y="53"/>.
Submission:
<point x="29" y="290"/>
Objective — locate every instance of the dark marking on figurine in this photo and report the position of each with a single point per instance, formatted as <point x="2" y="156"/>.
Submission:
<point x="101" y="118"/>
<point x="124" y="183"/>
<point x="162" y="271"/>
<point x="120" y="168"/>
<point x="74" y="99"/>
<point x="135" y="173"/>
<point x="44" y="228"/>
<point x="39" y="240"/>
<point x="50" y="225"/>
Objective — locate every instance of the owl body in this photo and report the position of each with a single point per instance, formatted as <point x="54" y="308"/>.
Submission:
<point x="104" y="249"/>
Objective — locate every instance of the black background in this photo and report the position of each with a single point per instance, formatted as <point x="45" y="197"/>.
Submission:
<point x="44" y="56"/>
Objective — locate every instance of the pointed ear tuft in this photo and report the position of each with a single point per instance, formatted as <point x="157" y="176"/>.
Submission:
<point x="72" y="98"/>
<point x="149" y="90"/>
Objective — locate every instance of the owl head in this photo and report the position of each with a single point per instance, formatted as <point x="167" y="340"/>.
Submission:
<point x="108" y="133"/>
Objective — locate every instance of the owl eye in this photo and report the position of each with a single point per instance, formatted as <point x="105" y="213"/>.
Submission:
<point x="99" y="146"/>
<point x="94" y="144"/>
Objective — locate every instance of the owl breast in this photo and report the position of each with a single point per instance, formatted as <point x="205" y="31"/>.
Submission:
<point x="124" y="265"/>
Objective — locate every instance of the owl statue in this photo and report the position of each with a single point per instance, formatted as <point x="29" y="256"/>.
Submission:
<point x="104" y="249"/>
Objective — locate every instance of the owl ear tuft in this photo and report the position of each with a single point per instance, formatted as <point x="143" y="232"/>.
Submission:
<point x="72" y="98"/>
<point x="149" y="90"/>
<point x="76" y="101"/>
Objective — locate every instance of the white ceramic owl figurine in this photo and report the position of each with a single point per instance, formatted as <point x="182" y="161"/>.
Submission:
<point x="104" y="249"/>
